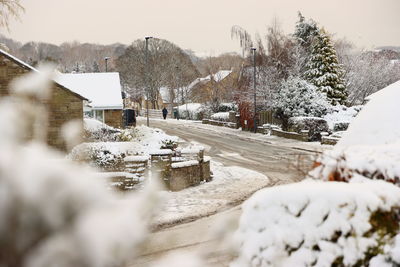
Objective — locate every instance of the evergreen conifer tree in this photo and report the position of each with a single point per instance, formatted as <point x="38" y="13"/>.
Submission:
<point x="95" y="67"/>
<point x="305" y="31"/>
<point x="324" y="71"/>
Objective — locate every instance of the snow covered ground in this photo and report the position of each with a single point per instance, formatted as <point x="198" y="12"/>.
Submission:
<point x="229" y="187"/>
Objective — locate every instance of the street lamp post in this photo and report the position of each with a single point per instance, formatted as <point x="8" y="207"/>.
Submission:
<point x="255" y="91"/>
<point x="106" y="59"/>
<point x="178" y="85"/>
<point x="146" y="78"/>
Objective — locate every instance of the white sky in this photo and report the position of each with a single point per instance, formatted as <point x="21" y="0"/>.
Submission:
<point x="201" y="25"/>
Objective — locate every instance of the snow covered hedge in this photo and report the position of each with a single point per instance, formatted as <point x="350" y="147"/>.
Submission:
<point x="315" y="126"/>
<point x="373" y="162"/>
<point x="225" y="107"/>
<point x="315" y="223"/>
<point x="194" y="111"/>
<point x="95" y="131"/>
<point x="220" y="116"/>
<point x="341" y="116"/>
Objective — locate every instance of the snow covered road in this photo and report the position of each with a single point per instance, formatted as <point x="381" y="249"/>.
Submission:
<point x="281" y="160"/>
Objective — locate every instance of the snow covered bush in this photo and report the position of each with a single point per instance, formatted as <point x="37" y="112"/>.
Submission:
<point x="105" y="156"/>
<point x="373" y="162"/>
<point x="314" y="126"/>
<point x="96" y="131"/>
<point x="341" y="116"/>
<point x="295" y="98"/>
<point x="194" y="111"/>
<point x="315" y="223"/>
<point x="220" y="116"/>
<point x="225" y="107"/>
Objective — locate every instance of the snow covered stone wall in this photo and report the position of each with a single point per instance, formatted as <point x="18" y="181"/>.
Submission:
<point x="315" y="223"/>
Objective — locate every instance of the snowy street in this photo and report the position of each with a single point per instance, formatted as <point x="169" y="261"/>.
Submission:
<point x="281" y="160"/>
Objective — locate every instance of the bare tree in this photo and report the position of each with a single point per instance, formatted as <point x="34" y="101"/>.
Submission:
<point x="9" y="9"/>
<point x="160" y="70"/>
<point x="275" y="60"/>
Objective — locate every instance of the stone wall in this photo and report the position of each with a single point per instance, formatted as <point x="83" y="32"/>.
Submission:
<point x="221" y="123"/>
<point x="184" y="177"/>
<point x="113" y="118"/>
<point x="189" y="170"/>
<point x="290" y="135"/>
<point x="63" y="105"/>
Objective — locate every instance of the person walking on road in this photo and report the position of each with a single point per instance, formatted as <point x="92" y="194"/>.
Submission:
<point x="164" y="113"/>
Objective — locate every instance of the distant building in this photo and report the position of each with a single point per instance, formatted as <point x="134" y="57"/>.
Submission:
<point x="103" y="91"/>
<point x="63" y="106"/>
<point x="217" y="85"/>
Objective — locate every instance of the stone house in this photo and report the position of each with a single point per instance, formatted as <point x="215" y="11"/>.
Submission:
<point x="64" y="105"/>
<point x="103" y="91"/>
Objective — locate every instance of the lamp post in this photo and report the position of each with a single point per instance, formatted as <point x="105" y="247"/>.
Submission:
<point x="179" y="89"/>
<point x="146" y="78"/>
<point x="106" y="59"/>
<point x="255" y="92"/>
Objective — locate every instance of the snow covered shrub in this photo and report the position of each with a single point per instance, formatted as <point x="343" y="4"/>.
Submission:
<point x="373" y="162"/>
<point x="220" y="116"/>
<point x="315" y="223"/>
<point x="100" y="155"/>
<point x="194" y="111"/>
<point x="341" y="116"/>
<point x="340" y="126"/>
<point x="96" y="131"/>
<point x="295" y="98"/>
<point x="169" y="144"/>
<point x="314" y="126"/>
<point x="126" y="135"/>
<point x="225" y="107"/>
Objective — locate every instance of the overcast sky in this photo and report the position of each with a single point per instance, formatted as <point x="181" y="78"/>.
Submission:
<point x="201" y="25"/>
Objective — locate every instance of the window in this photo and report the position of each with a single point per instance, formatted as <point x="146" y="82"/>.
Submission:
<point x="88" y="114"/>
<point x="99" y="115"/>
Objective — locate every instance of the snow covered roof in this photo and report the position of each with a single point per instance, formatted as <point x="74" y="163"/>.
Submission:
<point x="219" y="76"/>
<point x="377" y="93"/>
<point x="30" y="68"/>
<point x="378" y="122"/>
<point x="102" y="89"/>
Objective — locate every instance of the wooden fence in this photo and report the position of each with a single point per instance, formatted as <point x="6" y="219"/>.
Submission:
<point x="266" y="117"/>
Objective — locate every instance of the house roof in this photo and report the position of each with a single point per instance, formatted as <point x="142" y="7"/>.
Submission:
<point x="30" y="68"/>
<point x="392" y="87"/>
<point x="103" y="89"/>
<point x="219" y="76"/>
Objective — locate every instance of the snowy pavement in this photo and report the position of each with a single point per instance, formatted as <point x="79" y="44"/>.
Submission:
<point x="229" y="187"/>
